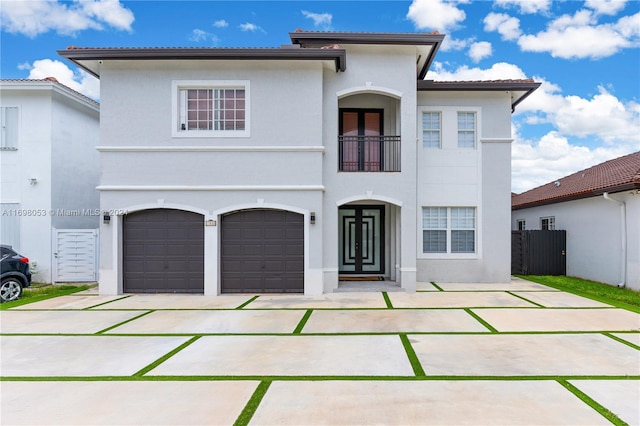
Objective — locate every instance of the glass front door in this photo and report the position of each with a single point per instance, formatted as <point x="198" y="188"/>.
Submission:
<point x="361" y="234"/>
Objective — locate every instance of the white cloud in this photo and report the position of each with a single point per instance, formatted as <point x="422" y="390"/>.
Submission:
<point x="221" y="23"/>
<point x="438" y="15"/>
<point x="580" y="36"/>
<point x="247" y="26"/>
<point x="480" y="50"/>
<point x="79" y="81"/>
<point x="527" y="6"/>
<point x="198" y="35"/>
<point x="319" y="19"/>
<point x="553" y="157"/>
<point x="586" y="130"/>
<point x="498" y="71"/>
<point x="507" y="26"/>
<point x="35" y="17"/>
<point x="606" y="7"/>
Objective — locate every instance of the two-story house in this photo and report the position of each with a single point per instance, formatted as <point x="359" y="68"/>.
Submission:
<point x="49" y="170"/>
<point x="230" y="170"/>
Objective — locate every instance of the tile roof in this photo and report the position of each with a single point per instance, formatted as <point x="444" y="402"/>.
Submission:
<point x="619" y="174"/>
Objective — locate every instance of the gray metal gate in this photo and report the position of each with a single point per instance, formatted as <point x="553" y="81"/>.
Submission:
<point x="539" y="252"/>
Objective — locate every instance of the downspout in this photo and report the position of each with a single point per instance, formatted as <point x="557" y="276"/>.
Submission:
<point x="623" y="238"/>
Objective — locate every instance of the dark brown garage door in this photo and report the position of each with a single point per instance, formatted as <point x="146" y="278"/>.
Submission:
<point x="263" y="252"/>
<point x="163" y="252"/>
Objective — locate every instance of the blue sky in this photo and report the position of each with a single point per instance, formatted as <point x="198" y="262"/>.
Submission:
<point x="586" y="54"/>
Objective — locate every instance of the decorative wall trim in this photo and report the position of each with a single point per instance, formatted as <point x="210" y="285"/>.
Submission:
<point x="496" y="140"/>
<point x="210" y="188"/>
<point x="210" y="148"/>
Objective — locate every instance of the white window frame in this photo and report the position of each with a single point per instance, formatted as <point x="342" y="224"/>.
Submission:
<point x="474" y="131"/>
<point x="449" y="254"/>
<point x="179" y="106"/>
<point x="551" y="223"/>
<point x="522" y="222"/>
<point x="5" y="143"/>
<point x="423" y="130"/>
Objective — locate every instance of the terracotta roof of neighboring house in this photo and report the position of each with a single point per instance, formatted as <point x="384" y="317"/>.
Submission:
<point x="54" y="81"/>
<point x="619" y="174"/>
<point x="520" y="89"/>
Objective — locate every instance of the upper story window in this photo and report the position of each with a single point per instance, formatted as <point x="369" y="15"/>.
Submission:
<point x="211" y="108"/>
<point x="431" y="129"/>
<point x="8" y="128"/>
<point x="466" y="130"/>
<point x="548" y="223"/>
<point x="522" y="224"/>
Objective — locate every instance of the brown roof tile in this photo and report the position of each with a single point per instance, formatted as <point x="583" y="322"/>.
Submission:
<point x="619" y="174"/>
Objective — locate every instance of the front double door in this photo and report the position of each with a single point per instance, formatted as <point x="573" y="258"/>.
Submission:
<point x="361" y="235"/>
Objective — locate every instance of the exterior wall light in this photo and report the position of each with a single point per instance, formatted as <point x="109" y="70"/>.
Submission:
<point x="312" y="218"/>
<point x="106" y="218"/>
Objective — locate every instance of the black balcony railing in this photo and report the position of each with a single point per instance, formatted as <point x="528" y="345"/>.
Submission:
<point x="369" y="153"/>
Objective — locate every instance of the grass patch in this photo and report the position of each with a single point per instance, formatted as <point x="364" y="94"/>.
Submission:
<point x="39" y="291"/>
<point x="250" y="409"/>
<point x="165" y="357"/>
<point x="436" y="286"/>
<point x="620" y="297"/>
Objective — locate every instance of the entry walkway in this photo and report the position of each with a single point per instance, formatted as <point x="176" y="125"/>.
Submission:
<point x="518" y="353"/>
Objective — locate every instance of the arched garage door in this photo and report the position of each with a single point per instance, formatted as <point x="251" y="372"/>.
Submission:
<point x="163" y="252"/>
<point x="262" y="252"/>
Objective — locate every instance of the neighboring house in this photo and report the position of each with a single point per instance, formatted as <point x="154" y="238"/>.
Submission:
<point x="49" y="170"/>
<point x="599" y="207"/>
<point x="283" y="169"/>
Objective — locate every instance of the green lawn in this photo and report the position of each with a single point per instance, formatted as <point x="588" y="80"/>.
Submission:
<point x="40" y="291"/>
<point x="621" y="297"/>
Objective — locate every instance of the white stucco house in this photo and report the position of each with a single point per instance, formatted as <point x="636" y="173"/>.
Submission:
<point x="49" y="170"/>
<point x="286" y="169"/>
<point x="599" y="208"/>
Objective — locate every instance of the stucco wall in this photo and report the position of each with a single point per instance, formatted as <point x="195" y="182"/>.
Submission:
<point x="480" y="177"/>
<point x="594" y="242"/>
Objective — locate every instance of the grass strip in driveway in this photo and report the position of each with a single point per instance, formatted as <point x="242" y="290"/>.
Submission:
<point x="387" y="301"/>
<point x="247" y="302"/>
<point x="411" y="354"/>
<point x="249" y="410"/>
<point x="163" y="358"/>
<point x="480" y="320"/>
<point x="124" y="322"/>
<point x="626" y="342"/>
<point x="592" y="403"/>
<point x="526" y="300"/>
<point x="436" y="286"/>
<point x="303" y="321"/>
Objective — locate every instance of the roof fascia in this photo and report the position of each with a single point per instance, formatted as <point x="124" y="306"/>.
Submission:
<point x="54" y="87"/>
<point x="308" y="39"/>
<point x="632" y="186"/>
<point x="479" y="86"/>
<point x="77" y="56"/>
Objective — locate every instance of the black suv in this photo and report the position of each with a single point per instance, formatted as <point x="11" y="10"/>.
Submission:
<point x="14" y="274"/>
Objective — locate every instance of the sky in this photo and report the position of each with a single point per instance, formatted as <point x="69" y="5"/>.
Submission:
<point x="586" y="54"/>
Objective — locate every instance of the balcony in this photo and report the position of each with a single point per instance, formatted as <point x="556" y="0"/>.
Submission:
<point x="368" y="153"/>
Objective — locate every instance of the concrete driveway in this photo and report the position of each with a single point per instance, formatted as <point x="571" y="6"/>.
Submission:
<point x="511" y="354"/>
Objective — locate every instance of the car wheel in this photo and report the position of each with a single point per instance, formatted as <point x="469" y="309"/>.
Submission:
<point x="10" y="289"/>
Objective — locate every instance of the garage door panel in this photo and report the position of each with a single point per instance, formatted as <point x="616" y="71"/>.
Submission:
<point x="163" y="251"/>
<point x="257" y="258"/>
